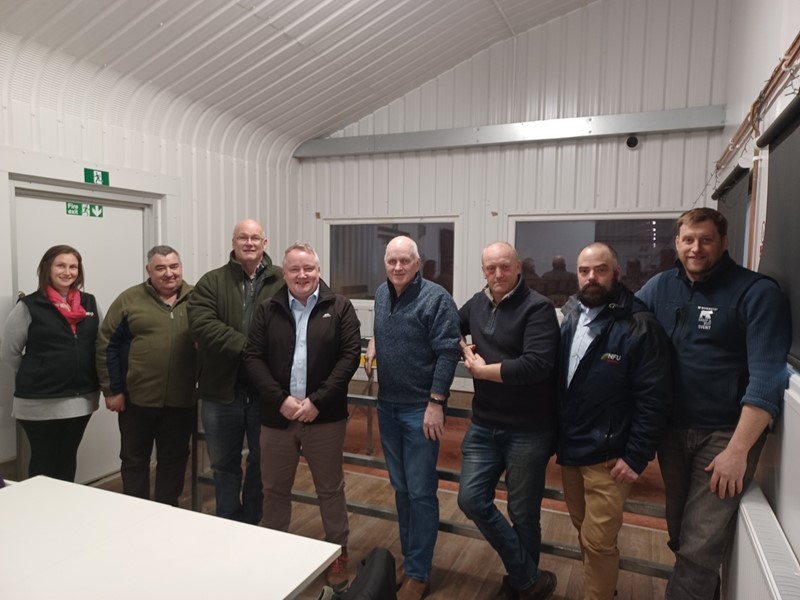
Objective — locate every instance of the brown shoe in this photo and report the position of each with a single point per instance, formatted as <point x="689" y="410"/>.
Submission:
<point x="399" y="575"/>
<point x="336" y="574"/>
<point x="413" y="589"/>
<point x="542" y="588"/>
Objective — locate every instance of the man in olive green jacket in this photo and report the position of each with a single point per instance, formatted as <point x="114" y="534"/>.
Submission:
<point x="220" y="311"/>
<point x="146" y="366"/>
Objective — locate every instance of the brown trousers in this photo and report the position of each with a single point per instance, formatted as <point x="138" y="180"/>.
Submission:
<point x="595" y="502"/>
<point x="322" y="446"/>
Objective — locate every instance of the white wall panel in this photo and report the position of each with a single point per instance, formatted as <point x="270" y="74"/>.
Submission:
<point x="73" y="137"/>
<point x="613" y="56"/>
<point x="48" y="130"/>
<point x="655" y="55"/>
<point x="21" y="126"/>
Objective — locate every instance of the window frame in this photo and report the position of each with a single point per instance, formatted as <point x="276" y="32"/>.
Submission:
<point x="455" y="220"/>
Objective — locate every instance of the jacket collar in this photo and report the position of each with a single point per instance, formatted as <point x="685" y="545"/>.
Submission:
<point x="517" y="291"/>
<point x="182" y="291"/>
<point x="623" y="305"/>
<point x="723" y="266"/>
<point x="411" y="292"/>
<point x="326" y="294"/>
<point x="234" y="264"/>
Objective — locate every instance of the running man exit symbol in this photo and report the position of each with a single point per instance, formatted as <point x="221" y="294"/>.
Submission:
<point x="96" y="177"/>
<point x="79" y="209"/>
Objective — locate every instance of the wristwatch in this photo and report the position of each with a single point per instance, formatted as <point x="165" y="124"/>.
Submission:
<point x="438" y="401"/>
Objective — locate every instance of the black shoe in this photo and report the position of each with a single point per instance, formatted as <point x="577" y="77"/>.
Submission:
<point x="506" y="591"/>
<point x="542" y="588"/>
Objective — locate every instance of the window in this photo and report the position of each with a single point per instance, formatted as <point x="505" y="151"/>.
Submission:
<point x="549" y="251"/>
<point x="357" y="250"/>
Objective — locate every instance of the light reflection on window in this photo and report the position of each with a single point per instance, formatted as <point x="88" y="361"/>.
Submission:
<point x="549" y="251"/>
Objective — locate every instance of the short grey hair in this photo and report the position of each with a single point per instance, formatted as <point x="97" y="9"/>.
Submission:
<point x="303" y="247"/>
<point x="161" y="250"/>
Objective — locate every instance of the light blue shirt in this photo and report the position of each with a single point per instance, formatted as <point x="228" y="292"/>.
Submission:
<point x="582" y="339"/>
<point x="297" y="381"/>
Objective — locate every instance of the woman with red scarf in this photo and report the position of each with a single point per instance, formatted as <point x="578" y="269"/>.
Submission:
<point x="49" y="340"/>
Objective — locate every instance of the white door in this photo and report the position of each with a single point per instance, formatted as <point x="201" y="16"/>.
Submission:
<point x="112" y="247"/>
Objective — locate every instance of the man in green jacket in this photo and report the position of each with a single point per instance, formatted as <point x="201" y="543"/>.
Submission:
<point x="146" y="367"/>
<point x="220" y="312"/>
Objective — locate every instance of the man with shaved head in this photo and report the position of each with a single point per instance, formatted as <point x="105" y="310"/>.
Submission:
<point x="614" y="402"/>
<point x="416" y="345"/>
<point x="512" y="359"/>
<point x="220" y="312"/>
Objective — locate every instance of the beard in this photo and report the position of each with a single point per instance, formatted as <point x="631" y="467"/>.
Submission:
<point x="594" y="294"/>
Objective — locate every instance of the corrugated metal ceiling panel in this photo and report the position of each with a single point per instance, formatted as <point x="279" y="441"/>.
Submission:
<point x="301" y="67"/>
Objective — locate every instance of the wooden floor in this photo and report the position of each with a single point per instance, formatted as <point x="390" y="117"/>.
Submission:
<point x="464" y="568"/>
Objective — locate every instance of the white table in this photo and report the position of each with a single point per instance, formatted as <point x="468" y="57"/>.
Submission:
<point x="68" y="541"/>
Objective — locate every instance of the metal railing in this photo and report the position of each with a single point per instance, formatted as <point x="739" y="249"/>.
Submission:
<point x="635" y="565"/>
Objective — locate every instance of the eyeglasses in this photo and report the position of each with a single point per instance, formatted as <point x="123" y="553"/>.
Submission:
<point x="256" y="239"/>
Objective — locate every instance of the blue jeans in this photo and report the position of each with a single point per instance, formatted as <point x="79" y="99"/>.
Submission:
<point x="226" y="426"/>
<point x="411" y="461"/>
<point x="700" y="525"/>
<point x="524" y="457"/>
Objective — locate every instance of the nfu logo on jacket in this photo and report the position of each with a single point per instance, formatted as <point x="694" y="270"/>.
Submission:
<point x="704" y="319"/>
<point x="611" y="358"/>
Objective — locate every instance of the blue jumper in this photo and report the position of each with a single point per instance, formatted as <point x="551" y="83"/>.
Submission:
<point x="416" y="341"/>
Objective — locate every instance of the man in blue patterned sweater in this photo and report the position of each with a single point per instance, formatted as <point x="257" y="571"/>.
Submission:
<point x="416" y="343"/>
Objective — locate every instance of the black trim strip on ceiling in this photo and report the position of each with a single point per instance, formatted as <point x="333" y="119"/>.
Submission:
<point x="789" y="115"/>
<point x="731" y="180"/>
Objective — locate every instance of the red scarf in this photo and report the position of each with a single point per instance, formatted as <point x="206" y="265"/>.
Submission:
<point x="71" y="309"/>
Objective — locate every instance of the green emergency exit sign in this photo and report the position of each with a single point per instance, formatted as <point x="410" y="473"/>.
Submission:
<point x="96" y="177"/>
<point x="82" y="209"/>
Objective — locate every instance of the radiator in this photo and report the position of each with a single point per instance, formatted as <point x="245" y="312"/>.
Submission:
<point x="762" y="565"/>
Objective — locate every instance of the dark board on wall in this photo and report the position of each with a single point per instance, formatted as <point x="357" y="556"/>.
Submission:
<point x="781" y="255"/>
<point x="734" y="199"/>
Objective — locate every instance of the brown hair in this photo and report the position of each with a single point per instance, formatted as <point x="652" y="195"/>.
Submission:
<point x="43" y="271"/>
<point x="698" y="215"/>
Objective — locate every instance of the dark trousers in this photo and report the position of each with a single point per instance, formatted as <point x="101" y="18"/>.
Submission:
<point x="700" y="525"/>
<point x="54" y="446"/>
<point x="170" y="429"/>
<point x="239" y="494"/>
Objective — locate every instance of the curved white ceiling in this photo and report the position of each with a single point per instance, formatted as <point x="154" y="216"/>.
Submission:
<point x="227" y="72"/>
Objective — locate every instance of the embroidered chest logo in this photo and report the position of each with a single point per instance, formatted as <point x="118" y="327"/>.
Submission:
<point x="611" y="358"/>
<point x="704" y="318"/>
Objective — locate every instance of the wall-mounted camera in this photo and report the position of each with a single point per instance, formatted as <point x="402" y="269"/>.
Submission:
<point x="632" y="142"/>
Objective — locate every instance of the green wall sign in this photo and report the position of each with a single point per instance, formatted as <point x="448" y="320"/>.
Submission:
<point x="95" y="177"/>
<point x="82" y="209"/>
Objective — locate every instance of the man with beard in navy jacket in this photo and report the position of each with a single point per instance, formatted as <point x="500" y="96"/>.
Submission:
<point x="614" y="401"/>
